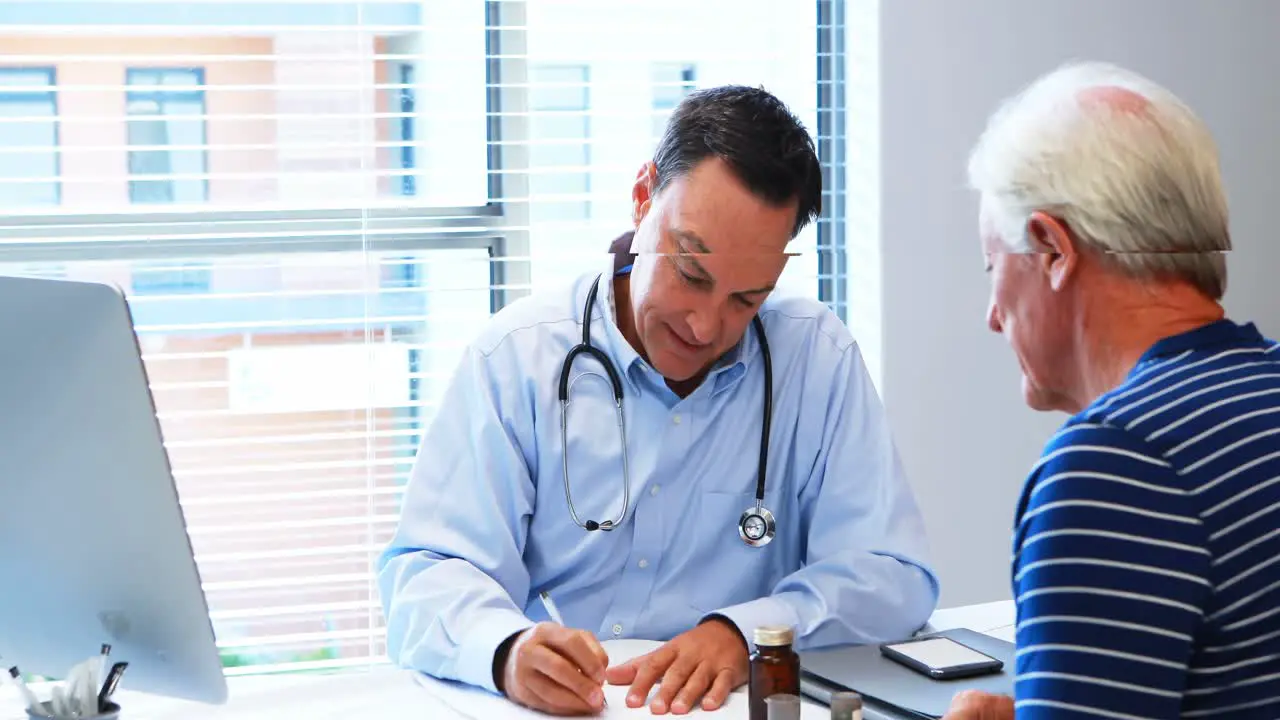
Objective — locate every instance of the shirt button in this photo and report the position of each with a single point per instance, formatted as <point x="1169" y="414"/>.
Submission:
<point x="675" y="419"/>
<point x="643" y="563"/>
<point x="617" y="629"/>
<point x="654" y="490"/>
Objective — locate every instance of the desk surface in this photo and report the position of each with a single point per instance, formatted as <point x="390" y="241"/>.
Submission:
<point x="383" y="691"/>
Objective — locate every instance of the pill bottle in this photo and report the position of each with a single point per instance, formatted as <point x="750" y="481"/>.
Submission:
<point x="774" y="668"/>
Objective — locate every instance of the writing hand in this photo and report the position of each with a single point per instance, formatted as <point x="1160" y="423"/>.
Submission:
<point x="556" y="670"/>
<point x="703" y="664"/>
<point x="978" y="705"/>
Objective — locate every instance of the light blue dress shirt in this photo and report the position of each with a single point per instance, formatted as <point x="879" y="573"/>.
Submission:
<point x="485" y="526"/>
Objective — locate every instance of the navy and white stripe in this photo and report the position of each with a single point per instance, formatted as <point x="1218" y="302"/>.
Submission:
<point x="1146" y="563"/>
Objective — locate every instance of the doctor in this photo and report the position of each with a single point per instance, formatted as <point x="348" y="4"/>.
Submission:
<point x="638" y="505"/>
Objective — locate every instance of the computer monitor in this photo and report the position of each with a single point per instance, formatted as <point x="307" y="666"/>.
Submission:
<point x="93" y="543"/>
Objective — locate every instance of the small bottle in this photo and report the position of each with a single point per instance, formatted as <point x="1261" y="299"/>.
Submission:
<point x="846" y="706"/>
<point x="774" y="670"/>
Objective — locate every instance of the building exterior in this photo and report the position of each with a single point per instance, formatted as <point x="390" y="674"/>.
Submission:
<point x="312" y="205"/>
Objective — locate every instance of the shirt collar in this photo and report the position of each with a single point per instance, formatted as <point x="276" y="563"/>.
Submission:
<point x="628" y="360"/>
<point x="1216" y="333"/>
<point x="729" y="369"/>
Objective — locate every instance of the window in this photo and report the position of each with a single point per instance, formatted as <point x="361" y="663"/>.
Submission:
<point x="559" y="152"/>
<point x="315" y="204"/>
<point x="166" y="136"/>
<point x="162" y="278"/>
<point x="671" y="83"/>
<point x="405" y="131"/>
<point x="28" y="138"/>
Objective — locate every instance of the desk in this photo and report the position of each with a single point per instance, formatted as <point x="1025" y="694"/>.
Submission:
<point x="382" y="692"/>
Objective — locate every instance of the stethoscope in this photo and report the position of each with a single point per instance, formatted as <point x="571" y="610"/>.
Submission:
<point x="756" y="527"/>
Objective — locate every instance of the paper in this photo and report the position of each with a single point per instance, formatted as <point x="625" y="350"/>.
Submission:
<point x="979" y="618"/>
<point x="478" y="704"/>
<point x="1008" y="633"/>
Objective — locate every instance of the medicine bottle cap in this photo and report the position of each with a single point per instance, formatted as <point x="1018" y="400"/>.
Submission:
<point x="774" y="635"/>
<point x="844" y="703"/>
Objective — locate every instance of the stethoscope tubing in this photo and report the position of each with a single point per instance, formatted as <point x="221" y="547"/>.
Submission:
<point x="756" y="526"/>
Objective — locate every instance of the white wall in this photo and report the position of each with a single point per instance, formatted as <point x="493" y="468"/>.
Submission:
<point x="951" y="387"/>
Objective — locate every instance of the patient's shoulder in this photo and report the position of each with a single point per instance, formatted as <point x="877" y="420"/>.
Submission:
<point x="1099" y="462"/>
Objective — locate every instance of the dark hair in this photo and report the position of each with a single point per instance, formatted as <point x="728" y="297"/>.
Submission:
<point x="752" y="131"/>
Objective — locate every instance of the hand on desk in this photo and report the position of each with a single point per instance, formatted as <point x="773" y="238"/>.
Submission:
<point x="556" y="670"/>
<point x="705" y="663"/>
<point x="978" y="705"/>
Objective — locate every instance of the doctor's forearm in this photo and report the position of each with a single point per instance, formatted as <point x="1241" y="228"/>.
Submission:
<point x="882" y="600"/>
<point x="873" y="599"/>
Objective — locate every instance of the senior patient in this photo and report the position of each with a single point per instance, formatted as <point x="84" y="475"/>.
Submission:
<point x="1146" y="563"/>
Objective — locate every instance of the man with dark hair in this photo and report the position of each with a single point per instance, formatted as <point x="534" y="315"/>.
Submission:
<point x="649" y="505"/>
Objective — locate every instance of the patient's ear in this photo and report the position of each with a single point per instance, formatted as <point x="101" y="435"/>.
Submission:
<point x="1055" y="247"/>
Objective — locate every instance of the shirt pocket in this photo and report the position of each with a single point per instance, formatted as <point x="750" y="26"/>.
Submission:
<point x="730" y="571"/>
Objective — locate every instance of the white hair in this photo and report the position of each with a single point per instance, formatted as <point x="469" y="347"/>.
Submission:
<point x="1141" y="185"/>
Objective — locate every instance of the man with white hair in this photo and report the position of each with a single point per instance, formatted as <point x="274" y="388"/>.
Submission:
<point x="1146" y="563"/>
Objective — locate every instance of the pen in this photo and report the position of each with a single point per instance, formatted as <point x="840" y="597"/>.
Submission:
<point x="32" y="702"/>
<point x="100" y="672"/>
<point x="554" y="612"/>
<point x="103" y="654"/>
<point x="551" y="608"/>
<point x="109" y="687"/>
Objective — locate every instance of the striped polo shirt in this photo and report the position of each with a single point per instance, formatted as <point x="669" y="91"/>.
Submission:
<point x="1146" y="566"/>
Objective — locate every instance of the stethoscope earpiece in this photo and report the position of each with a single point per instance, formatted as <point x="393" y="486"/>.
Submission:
<point x="756" y="527"/>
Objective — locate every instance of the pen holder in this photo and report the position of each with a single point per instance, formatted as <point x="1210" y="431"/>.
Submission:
<point x="111" y="713"/>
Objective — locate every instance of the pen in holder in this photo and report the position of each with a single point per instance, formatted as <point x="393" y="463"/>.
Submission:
<point x="85" y="695"/>
<point x="46" y="711"/>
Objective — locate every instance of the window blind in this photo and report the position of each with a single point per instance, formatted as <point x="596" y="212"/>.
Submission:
<point x="313" y="205"/>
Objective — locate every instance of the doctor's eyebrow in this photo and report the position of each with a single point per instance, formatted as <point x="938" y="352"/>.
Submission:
<point x="691" y="245"/>
<point x="691" y="241"/>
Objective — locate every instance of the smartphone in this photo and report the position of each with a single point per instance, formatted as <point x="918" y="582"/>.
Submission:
<point x="941" y="658"/>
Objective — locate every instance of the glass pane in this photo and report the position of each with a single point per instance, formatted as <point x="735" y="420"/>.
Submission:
<point x="559" y="159"/>
<point x="670" y="82"/>
<point x="149" y="131"/>
<point x="185" y="130"/>
<point x="166" y="110"/>
<point x="28" y="139"/>
<point x="28" y="153"/>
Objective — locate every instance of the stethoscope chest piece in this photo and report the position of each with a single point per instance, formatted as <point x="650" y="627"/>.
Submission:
<point x="756" y="527"/>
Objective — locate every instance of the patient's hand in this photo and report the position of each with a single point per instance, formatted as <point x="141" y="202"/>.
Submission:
<point x="704" y="664"/>
<point x="978" y="705"/>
